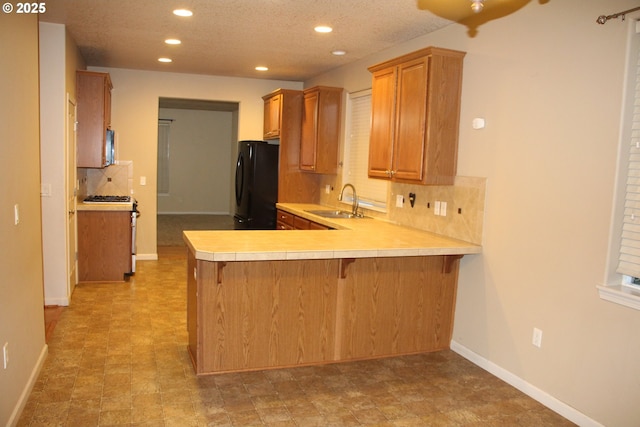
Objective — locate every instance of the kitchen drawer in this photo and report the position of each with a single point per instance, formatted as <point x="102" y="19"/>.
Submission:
<point x="300" y="223"/>
<point x="282" y="226"/>
<point x="285" y="218"/>
<point x="318" y="226"/>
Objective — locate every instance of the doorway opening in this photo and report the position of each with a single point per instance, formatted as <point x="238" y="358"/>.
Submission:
<point x="197" y="147"/>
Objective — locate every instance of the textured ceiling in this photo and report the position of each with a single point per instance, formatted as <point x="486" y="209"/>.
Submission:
<point x="231" y="37"/>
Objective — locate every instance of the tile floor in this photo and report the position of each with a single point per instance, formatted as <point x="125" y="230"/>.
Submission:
<point x="118" y="356"/>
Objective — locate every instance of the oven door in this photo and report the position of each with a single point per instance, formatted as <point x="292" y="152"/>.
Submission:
<point x="135" y="213"/>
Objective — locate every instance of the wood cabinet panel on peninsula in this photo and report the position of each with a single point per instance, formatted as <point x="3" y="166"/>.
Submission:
<point x="104" y="246"/>
<point x="94" y="117"/>
<point x="249" y="315"/>
<point x="415" y="117"/>
<point x="320" y="129"/>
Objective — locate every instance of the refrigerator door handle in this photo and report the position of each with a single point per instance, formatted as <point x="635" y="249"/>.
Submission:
<point x="239" y="178"/>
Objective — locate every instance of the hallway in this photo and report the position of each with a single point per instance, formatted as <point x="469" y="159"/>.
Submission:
<point x="118" y="356"/>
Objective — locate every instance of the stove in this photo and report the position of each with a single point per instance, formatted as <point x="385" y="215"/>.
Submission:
<point x="107" y="199"/>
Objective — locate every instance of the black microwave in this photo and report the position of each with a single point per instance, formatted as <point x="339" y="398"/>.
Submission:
<point x="110" y="149"/>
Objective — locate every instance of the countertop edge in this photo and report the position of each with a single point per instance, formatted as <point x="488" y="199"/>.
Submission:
<point x="207" y="247"/>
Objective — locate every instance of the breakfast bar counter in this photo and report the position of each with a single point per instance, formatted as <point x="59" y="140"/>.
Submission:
<point x="365" y="289"/>
<point x="350" y="238"/>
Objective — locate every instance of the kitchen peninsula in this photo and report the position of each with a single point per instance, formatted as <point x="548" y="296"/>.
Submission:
<point x="365" y="289"/>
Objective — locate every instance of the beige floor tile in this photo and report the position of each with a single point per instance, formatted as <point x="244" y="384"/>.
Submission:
<point x="118" y="356"/>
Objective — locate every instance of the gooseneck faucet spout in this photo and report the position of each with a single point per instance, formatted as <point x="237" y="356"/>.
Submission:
<point x="354" y="207"/>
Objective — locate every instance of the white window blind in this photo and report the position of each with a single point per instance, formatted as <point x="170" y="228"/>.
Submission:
<point x="629" y="261"/>
<point x="372" y="193"/>
<point x="163" y="156"/>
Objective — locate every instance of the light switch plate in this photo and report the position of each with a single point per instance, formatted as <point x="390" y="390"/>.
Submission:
<point x="45" y="190"/>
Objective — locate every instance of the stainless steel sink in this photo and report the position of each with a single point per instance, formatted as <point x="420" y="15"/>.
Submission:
<point x="327" y="213"/>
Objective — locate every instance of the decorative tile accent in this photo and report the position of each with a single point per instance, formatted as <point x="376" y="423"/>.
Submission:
<point x="114" y="180"/>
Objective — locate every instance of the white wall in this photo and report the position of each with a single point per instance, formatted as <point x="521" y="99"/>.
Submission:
<point x="52" y="126"/>
<point x="200" y="161"/>
<point x="21" y="287"/>
<point x="135" y="117"/>
<point x="549" y="82"/>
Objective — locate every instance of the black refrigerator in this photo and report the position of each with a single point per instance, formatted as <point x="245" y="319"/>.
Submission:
<point x="256" y="186"/>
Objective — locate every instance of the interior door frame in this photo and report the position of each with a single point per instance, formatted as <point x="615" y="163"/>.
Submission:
<point x="71" y="192"/>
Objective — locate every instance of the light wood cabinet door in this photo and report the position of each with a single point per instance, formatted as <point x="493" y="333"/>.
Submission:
<point x="318" y="226"/>
<point x="94" y="117"/>
<point x="300" y="223"/>
<point x="321" y="111"/>
<point x="104" y="246"/>
<point x="383" y="101"/>
<point x="415" y="117"/>
<point x="309" y="140"/>
<point x="272" y="116"/>
<point x="411" y="102"/>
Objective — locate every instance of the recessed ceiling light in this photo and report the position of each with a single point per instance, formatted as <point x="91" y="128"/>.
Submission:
<point x="323" y="29"/>
<point x="165" y="60"/>
<point x="172" y="41"/>
<point x="339" y="52"/>
<point x="182" y="12"/>
<point x="262" y="68"/>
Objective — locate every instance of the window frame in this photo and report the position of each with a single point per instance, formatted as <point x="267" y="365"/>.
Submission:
<point x="619" y="288"/>
<point x="364" y="199"/>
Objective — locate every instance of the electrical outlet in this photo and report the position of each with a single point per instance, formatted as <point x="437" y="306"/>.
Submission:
<point x="16" y="214"/>
<point x="399" y="201"/>
<point x="443" y="208"/>
<point x="436" y="208"/>
<point x="5" y="355"/>
<point x="537" y="337"/>
<point x="327" y="189"/>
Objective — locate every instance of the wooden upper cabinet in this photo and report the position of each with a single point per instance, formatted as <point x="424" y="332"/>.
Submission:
<point x="415" y="115"/>
<point x="382" y="122"/>
<point x="272" y="115"/>
<point x="94" y="117"/>
<point x="321" y="111"/>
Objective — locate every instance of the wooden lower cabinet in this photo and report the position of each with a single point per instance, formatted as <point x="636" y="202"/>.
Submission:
<point x="252" y="315"/>
<point x="288" y="221"/>
<point x="284" y="220"/>
<point x="104" y="246"/>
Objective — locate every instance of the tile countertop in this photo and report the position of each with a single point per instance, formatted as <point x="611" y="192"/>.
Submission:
<point x="351" y="238"/>
<point x="112" y="206"/>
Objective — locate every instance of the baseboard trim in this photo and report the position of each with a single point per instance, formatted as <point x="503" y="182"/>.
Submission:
<point x="28" y="388"/>
<point x="57" y="301"/>
<point x="530" y="390"/>
<point x="147" y="257"/>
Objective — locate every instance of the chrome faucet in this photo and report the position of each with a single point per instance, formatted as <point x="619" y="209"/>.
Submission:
<point x="354" y="208"/>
